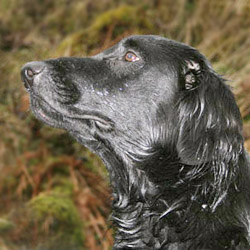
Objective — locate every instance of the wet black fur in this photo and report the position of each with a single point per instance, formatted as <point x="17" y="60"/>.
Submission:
<point x="169" y="131"/>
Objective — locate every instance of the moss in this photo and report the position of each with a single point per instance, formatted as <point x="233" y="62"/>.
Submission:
<point x="5" y="225"/>
<point x="73" y="44"/>
<point x="63" y="185"/>
<point x="123" y="18"/>
<point x="56" y="217"/>
<point x="111" y="24"/>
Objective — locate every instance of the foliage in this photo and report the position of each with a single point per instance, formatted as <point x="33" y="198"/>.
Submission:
<point x="48" y="221"/>
<point x="41" y="165"/>
<point x="107" y="29"/>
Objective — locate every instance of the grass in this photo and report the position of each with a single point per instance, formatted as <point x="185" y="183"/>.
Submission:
<point x="38" y="162"/>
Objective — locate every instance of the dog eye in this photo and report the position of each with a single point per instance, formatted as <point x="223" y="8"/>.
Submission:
<point x="131" y="57"/>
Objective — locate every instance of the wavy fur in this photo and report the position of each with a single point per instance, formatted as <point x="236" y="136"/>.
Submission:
<point x="170" y="133"/>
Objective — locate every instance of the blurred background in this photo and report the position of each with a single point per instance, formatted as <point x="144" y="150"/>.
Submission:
<point x="54" y="193"/>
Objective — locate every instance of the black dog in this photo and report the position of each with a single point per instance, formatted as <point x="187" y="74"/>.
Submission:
<point x="170" y="133"/>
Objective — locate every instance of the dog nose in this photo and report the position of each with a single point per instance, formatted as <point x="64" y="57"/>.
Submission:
<point x="29" y="71"/>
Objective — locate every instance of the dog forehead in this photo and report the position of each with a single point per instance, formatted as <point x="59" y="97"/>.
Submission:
<point x="128" y="42"/>
<point x="148" y="44"/>
<point x="141" y="41"/>
<point x="160" y="48"/>
<point x="145" y="38"/>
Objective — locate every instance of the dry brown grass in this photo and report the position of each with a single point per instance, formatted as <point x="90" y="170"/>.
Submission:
<point x="33" y="160"/>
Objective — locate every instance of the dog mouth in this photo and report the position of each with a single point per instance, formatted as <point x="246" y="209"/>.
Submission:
<point x="48" y="114"/>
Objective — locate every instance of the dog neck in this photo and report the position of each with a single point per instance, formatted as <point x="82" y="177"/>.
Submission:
<point x="157" y="200"/>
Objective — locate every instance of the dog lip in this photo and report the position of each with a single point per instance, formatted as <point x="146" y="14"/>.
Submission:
<point x="26" y="85"/>
<point x="101" y="122"/>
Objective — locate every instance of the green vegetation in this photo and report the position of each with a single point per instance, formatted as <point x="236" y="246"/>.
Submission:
<point x="58" y="220"/>
<point x="48" y="195"/>
<point x="48" y="221"/>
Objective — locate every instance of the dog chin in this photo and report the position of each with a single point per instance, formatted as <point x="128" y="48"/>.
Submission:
<point x="46" y="113"/>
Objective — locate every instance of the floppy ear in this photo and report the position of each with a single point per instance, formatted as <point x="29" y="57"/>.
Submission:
<point x="209" y="124"/>
<point x="191" y="74"/>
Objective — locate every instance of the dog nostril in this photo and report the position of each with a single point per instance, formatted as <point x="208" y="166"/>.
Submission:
<point x="29" y="71"/>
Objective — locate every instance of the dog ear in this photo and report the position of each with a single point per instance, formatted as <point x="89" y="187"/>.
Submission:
<point x="209" y="126"/>
<point x="208" y="116"/>
<point x="191" y="72"/>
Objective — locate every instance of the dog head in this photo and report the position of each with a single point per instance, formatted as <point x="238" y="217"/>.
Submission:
<point x="144" y="94"/>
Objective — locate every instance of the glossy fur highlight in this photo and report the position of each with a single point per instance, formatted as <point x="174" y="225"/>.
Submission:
<point x="169" y="131"/>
